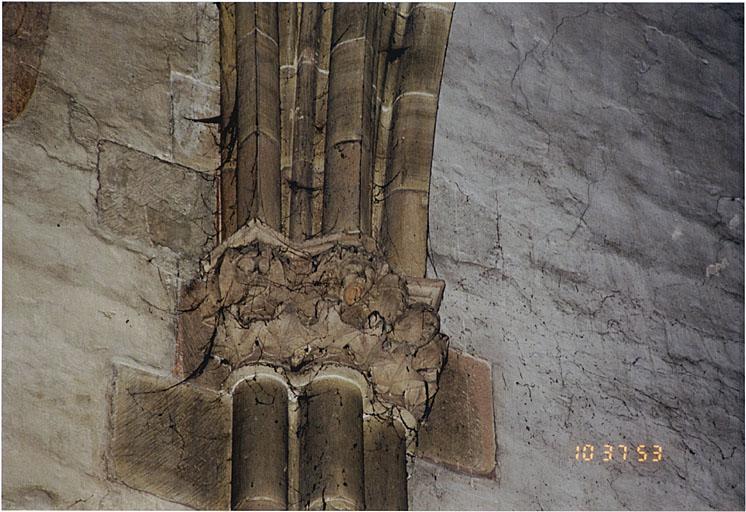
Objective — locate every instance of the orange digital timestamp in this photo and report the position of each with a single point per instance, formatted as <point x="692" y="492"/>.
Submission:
<point x="618" y="453"/>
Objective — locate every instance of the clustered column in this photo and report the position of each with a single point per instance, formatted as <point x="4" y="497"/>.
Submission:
<point x="346" y="461"/>
<point x="328" y="120"/>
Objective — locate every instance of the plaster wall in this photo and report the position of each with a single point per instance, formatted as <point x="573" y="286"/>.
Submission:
<point x="587" y="216"/>
<point x="107" y="192"/>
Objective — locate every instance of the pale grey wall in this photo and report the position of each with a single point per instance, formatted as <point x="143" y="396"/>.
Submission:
<point x="106" y="193"/>
<point x="587" y="216"/>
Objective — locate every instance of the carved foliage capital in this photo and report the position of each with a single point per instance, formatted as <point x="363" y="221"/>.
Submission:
<point x="330" y="301"/>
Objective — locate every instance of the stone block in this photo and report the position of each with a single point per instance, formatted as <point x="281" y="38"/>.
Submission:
<point x="195" y="143"/>
<point x="149" y="200"/>
<point x="122" y="79"/>
<point x="460" y="431"/>
<point x="172" y="440"/>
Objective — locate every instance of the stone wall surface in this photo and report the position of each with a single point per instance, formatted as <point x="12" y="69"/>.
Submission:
<point x="107" y="197"/>
<point x="587" y="216"/>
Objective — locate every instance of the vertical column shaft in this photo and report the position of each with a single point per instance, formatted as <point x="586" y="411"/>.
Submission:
<point x="258" y="99"/>
<point x="228" y="221"/>
<point x="348" y="166"/>
<point x="332" y="447"/>
<point x="405" y="223"/>
<point x="385" y="466"/>
<point x="288" y="32"/>
<point x="301" y="190"/>
<point x="260" y="445"/>
<point x="392" y="29"/>
<point x="323" y="57"/>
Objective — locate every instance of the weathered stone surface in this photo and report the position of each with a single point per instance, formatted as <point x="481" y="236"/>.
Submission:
<point x="76" y="295"/>
<point x="124" y="79"/>
<point x="460" y="430"/>
<point x="331" y="300"/>
<point x="54" y="436"/>
<point x="114" y="496"/>
<point x="74" y="301"/>
<point x="195" y="137"/>
<point x="585" y="158"/>
<point x="147" y="199"/>
<point x="206" y="66"/>
<point x="25" y="29"/>
<point x="586" y="212"/>
<point x="171" y="439"/>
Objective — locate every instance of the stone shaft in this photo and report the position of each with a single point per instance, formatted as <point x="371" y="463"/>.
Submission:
<point x="228" y="221"/>
<point x="260" y="445"/>
<point x="385" y="465"/>
<point x="405" y="217"/>
<point x="258" y="114"/>
<point x="331" y="469"/>
<point x="301" y="185"/>
<point x="328" y="117"/>
<point x="348" y="175"/>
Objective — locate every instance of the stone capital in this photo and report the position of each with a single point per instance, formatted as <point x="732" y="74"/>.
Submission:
<point x="263" y="299"/>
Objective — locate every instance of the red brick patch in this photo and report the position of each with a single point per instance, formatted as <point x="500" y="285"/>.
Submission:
<point x="460" y="431"/>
